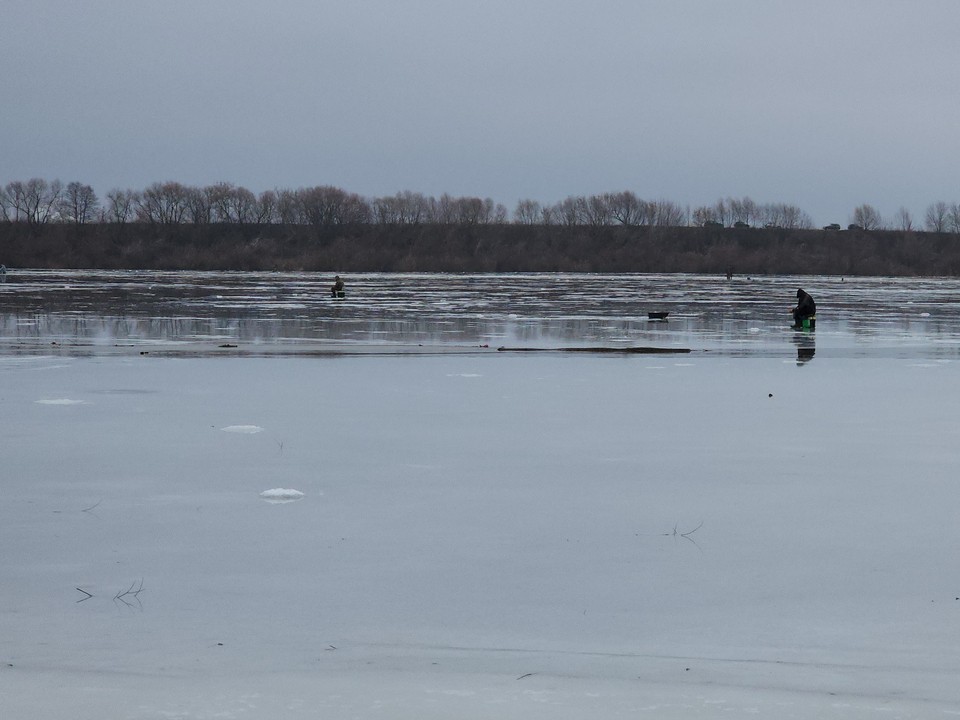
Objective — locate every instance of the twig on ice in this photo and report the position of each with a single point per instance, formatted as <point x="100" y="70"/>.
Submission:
<point x="130" y="592"/>
<point x="93" y="507"/>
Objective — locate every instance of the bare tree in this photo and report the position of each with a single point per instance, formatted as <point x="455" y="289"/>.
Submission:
<point x="704" y="215"/>
<point x="80" y="203"/>
<point x="6" y="205"/>
<point x="326" y="206"/>
<point x="953" y="219"/>
<point x="625" y="208"/>
<point x="935" y="219"/>
<point x="796" y="219"/>
<point x="527" y="212"/>
<point x="548" y="215"/>
<point x="867" y="217"/>
<point x="721" y="212"/>
<point x="404" y="208"/>
<point x="199" y="207"/>
<point x="120" y="205"/>
<point x="742" y="210"/>
<point x="36" y="201"/>
<point x="784" y="215"/>
<point x="163" y="203"/>
<point x="474" y="211"/>
<point x="288" y="207"/>
<point x="596" y="211"/>
<point x="904" y="220"/>
<point x="666" y="213"/>
<point x="442" y="210"/>
<point x="231" y="204"/>
<point x="265" y="211"/>
<point x="571" y="211"/>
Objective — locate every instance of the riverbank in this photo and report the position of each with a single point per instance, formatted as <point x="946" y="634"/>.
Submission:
<point x="479" y="248"/>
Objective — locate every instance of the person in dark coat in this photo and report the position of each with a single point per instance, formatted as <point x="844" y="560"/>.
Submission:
<point x="337" y="289"/>
<point x="805" y="308"/>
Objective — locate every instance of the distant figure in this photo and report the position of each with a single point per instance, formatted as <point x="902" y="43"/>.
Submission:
<point x="805" y="308"/>
<point x="337" y="289"/>
<point x="3" y="273"/>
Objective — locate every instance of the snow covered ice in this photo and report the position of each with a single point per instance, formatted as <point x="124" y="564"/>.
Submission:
<point x="744" y="529"/>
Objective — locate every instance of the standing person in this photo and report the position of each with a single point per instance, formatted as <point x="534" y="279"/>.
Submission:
<point x="3" y="273"/>
<point x="337" y="289"/>
<point x="805" y="308"/>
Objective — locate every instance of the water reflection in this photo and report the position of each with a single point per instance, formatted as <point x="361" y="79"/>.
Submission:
<point x="738" y="316"/>
<point x="806" y="343"/>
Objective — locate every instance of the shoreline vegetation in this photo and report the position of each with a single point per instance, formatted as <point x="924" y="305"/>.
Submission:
<point x="169" y="226"/>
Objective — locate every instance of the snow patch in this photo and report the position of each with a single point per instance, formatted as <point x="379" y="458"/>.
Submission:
<point x="61" y="401"/>
<point x="245" y="429"/>
<point x="281" y="495"/>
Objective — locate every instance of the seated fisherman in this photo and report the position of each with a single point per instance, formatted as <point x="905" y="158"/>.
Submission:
<point x="337" y="289"/>
<point x="805" y="308"/>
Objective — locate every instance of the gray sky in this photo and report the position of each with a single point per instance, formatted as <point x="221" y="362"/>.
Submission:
<point x="826" y="105"/>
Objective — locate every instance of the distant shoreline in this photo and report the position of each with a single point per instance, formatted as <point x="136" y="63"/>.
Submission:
<point x="479" y="248"/>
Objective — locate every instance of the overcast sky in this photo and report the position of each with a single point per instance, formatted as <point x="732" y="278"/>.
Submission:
<point x="822" y="104"/>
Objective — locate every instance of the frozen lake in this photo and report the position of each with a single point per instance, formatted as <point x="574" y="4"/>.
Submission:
<point x="393" y="521"/>
<point x="858" y="316"/>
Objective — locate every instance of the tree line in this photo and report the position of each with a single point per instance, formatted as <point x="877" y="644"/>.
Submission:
<point x="38" y="202"/>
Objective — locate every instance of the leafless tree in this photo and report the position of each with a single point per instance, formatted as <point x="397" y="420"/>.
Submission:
<point x="571" y="211"/>
<point x="80" y="203"/>
<point x="935" y="219"/>
<point x="784" y="215"/>
<point x="36" y="201"/>
<point x="326" y="206"/>
<point x="904" y="220"/>
<point x="548" y="215"/>
<point x="474" y="211"/>
<point x="668" y="214"/>
<point x="265" y="211"/>
<point x="625" y="208"/>
<point x="596" y="210"/>
<point x="120" y="205"/>
<point x="163" y="203"/>
<point x="742" y="210"/>
<point x="867" y="217"/>
<point x="231" y="204"/>
<point x="404" y="208"/>
<point x="796" y="219"/>
<point x="704" y="215"/>
<point x="721" y="212"/>
<point x="442" y="210"/>
<point x="953" y="219"/>
<point x="527" y="212"/>
<point x="6" y="205"/>
<point x="288" y="207"/>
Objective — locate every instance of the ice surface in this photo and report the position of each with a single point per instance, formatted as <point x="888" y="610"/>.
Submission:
<point x="529" y="535"/>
